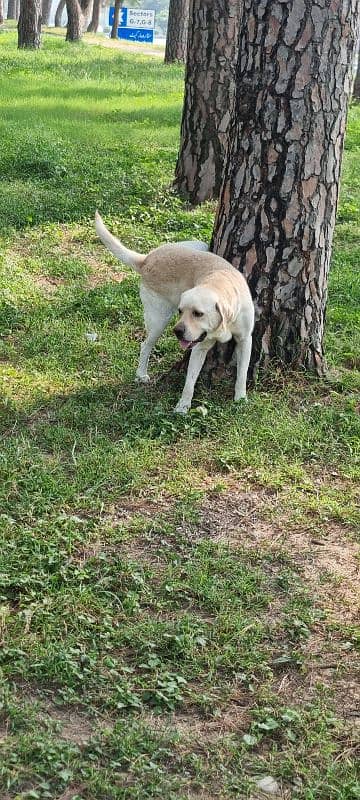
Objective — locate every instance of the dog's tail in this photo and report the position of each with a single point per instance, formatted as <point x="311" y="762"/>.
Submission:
<point x="129" y="257"/>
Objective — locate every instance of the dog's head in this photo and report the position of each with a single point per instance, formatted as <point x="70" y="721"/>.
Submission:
<point x="200" y="315"/>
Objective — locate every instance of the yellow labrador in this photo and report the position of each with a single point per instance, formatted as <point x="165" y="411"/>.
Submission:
<point x="212" y="297"/>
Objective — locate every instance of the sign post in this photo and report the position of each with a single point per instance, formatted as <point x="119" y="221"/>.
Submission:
<point x="135" y="24"/>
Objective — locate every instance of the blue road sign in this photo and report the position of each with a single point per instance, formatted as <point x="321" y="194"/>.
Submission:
<point x="122" y="18"/>
<point x="136" y="34"/>
<point x="135" y="25"/>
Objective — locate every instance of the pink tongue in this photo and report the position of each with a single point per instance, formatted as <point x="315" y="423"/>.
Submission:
<point x="184" y="344"/>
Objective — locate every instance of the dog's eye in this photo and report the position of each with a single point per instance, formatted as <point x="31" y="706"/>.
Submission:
<point x="197" y="313"/>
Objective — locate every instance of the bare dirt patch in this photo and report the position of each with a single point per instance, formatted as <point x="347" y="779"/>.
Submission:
<point x="72" y="725"/>
<point x="201" y="731"/>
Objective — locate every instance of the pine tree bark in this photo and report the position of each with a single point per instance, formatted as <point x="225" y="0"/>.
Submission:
<point x="209" y="95"/>
<point x="45" y="11"/>
<point x="278" y="200"/>
<point x="29" y="25"/>
<point x="177" y="31"/>
<point x="94" y="22"/>
<point x="11" y="10"/>
<point x="114" y="29"/>
<point x="59" y="13"/>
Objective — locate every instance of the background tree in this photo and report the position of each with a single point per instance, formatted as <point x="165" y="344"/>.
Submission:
<point x="1" y="12"/>
<point x="77" y="19"/>
<point x="94" y="22"/>
<point x="11" y="10"/>
<point x="278" y="200"/>
<point x="209" y="92"/>
<point x="59" y="13"/>
<point x="45" y="11"/>
<point x="176" y="37"/>
<point x="29" y="25"/>
<point x="115" y="25"/>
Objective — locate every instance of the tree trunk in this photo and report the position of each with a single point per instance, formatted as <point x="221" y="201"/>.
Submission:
<point x="75" y="21"/>
<point x="1" y="12"/>
<point x="45" y="11"/>
<point x="278" y="200"/>
<point x="11" y="10"/>
<point x="114" y="29"/>
<point x="209" y="94"/>
<point x="17" y="9"/>
<point x="29" y="25"/>
<point x="59" y="13"/>
<point x="176" y="37"/>
<point x="94" y="23"/>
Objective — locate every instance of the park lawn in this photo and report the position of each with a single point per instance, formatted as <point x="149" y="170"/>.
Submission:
<point x="178" y="596"/>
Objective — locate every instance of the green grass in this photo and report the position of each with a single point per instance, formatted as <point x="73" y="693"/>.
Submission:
<point x="127" y="602"/>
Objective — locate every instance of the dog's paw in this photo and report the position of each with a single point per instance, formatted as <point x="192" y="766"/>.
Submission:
<point x="181" y="408"/>
<point x="142" y="379"/>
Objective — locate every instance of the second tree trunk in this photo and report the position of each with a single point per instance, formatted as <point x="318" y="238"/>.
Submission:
<point x="176" y="37"/>
<point x="209" y="92"/>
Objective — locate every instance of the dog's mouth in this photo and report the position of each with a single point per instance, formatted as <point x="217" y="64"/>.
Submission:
<point x="185" y="344"/>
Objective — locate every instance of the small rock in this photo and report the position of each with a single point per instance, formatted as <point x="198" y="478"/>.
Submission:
<point x="91" y="337"/>
<point x="268" y="785"/>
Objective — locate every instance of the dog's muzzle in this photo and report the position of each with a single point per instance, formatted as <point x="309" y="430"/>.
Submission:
<point x="187" y="344"/>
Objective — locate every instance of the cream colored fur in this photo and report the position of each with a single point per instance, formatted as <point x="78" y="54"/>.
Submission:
<point x="213" y="298"/>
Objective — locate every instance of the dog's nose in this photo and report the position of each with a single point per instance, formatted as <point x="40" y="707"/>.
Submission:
<point x="179" y="330"/>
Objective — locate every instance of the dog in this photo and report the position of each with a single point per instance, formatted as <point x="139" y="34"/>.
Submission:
<point x="212" y="298"/>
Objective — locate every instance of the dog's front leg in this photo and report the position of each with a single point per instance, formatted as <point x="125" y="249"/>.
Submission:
<point x="243" y="353"/>
<point x="197" y="358"/>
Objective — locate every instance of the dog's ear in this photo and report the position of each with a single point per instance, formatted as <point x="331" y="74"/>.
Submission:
<point x="218" y="309"/>
<point x="224" y="313"/>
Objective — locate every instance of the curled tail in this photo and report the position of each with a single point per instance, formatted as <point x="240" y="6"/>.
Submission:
<point x="129" y="257"/>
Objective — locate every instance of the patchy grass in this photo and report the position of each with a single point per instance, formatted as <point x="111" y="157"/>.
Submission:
<point x="178" y="597"/>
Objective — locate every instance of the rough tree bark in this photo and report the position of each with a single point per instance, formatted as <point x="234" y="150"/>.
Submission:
<point x="45" y="11"/>
<point x="114" y="29"/>
<point x="94" y="22"/>
<point x="11" y="10"/>
<point x="278" y="200"/>
<point x="29" y="25"/>
<point x="209" y="94"/>
<point x="59" y="13"/>
<point x="177" y="30"/>
<point x="17" y="9"/>
<point x="1" y="12"/>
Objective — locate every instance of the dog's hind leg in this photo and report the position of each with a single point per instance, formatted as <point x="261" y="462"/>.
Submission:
<point x="157" y="314"/>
